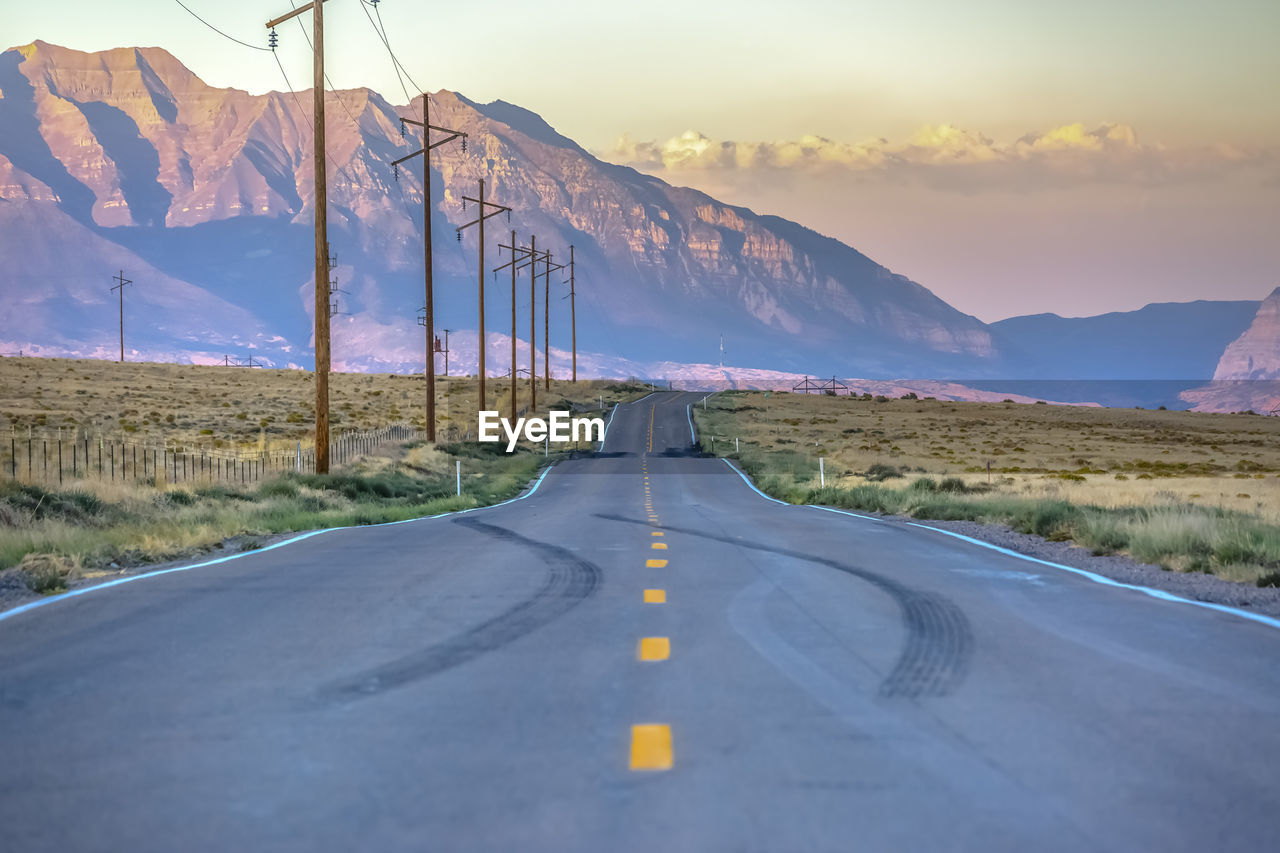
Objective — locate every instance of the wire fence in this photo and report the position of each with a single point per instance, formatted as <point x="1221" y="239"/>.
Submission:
<point x="58" y="460"/>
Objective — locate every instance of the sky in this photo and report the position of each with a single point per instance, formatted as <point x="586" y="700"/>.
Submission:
<point x="1014" y="157"/>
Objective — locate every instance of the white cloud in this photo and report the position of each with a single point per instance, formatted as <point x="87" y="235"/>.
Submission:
<point x="956" y="158"/>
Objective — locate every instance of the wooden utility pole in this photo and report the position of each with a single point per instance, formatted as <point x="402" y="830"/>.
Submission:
<point x="512" y="264"/>
<point x="573" y="316"/>
<point x="546" y="317"/>
<point x="322" y="293"/>
<point x="533" y="323"/>
<point x="429" y="308"/>
<point x="546" y="328"/>
<point x="479" y="220"/>
<point x="122" y="281"/>
<point x="519" y="255"/>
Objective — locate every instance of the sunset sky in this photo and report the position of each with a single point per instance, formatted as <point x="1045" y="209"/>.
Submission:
<point x="1014" y="157"/>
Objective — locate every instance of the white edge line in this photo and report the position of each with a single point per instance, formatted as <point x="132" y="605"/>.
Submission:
<point x="605" y="437"/>
<point x="1084" y="573"/>
<point x="750" y="484"/>
<point x="1106" y="581"/>
<point x="42" y="602"/>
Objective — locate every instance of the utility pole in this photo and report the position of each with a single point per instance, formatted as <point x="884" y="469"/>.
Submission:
<point x="446" y="351"/>
<point x="518" y="255"/>
<point x="120" y="287"/>
<point x="546" y="318"/>
<point x="479" y="220"/>
<point x="322" y="293"/>
<point x="429" y="309"/>
<point x="573" y="316"/>
<point x="533" y="323"/>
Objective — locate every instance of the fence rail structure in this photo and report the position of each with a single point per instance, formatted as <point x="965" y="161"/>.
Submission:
<point x="45" y="460"/>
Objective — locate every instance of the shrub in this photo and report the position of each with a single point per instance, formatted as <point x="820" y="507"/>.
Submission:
<point x="878" y="473"/>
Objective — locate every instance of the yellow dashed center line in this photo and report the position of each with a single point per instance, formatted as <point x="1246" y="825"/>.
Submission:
<point x="658" y="546"/>
<point x="655" y="596"/>
<point x="656" y="533"/>
<point x="655" y="564"/>
<point x="654" y="648"/>
<point x="651" y="747"/>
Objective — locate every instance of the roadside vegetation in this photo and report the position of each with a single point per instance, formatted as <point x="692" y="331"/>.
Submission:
<point x="227" y="409"/>
<point x="52" y="536"/>
<point x="94" y="529"/>
<point x="1186" y="491"/>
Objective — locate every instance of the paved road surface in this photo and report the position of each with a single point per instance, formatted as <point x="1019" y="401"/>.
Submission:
<point x="822" y="683"/>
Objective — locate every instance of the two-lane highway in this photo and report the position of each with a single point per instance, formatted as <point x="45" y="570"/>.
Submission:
<point x="643" y="654"/>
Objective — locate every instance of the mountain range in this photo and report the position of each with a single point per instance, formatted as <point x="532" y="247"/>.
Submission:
<point x="125" y="162"/>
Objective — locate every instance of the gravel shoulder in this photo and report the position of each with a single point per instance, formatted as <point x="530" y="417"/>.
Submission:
<point x="1195" y="586"/>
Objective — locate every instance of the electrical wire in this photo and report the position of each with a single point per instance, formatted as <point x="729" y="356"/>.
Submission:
<point x="332" y="88"/>
<point x="380" y="30"/>
<point x="216" y="30"/>
<point x="298" y="103"/>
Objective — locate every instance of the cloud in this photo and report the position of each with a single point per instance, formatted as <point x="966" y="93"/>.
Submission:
<point x="949" y="157"/>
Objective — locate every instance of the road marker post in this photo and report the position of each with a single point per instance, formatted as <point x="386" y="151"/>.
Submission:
<point x="822" y="472"/>
<point x="458" y="464"/>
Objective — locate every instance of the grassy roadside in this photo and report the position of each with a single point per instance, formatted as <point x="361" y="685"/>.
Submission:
<point x="1168" y="529"/>
<point x="53" y="538"/>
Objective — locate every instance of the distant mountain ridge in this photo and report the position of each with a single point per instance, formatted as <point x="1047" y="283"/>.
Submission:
<point x="124" y="159"/>
<point x="213" y="187"/>
<point x="1167" y="340"/>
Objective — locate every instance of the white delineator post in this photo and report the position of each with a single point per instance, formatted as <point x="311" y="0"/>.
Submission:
<point x="822" y="471"/>
<point x="458" y="463"/>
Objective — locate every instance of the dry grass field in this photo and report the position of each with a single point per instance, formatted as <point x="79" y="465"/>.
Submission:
<point x="54" y="533"/>
<point x="251" y="409"/>
<point x="1120" y="460"/>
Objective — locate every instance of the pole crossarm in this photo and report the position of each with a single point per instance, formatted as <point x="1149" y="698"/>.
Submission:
<point x="407" y="157"/>
<point x="453" y="134"/>
<point x="295" y="13"/>
<point x="486" y="216"/>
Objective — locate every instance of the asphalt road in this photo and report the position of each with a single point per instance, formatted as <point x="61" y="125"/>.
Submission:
<point x="475" y="682"/>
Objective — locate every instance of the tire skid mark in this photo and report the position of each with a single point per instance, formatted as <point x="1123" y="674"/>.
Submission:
<point x="569" y="581"/>
<point x="939" y="645"/>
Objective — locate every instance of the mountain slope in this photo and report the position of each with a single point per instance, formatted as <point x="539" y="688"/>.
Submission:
<point x="212" y="187"/>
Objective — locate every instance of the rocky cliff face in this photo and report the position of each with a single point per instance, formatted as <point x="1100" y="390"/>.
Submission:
<point x="212" y="187"/>
<point x="1256" y="353"/>
<point x="1248" y="374"/>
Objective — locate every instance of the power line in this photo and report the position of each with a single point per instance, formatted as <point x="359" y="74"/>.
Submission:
<point x="380" y="29"/>
<point x="333" y="88"/>
<point x="216" y="30"/>
<point x="298" y="104"/>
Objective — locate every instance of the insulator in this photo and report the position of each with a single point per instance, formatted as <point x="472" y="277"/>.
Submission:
<point x="273" y="40"/>
<point x="395" y="168"/>
<point x="459" y="236"/>
<point x="508" y="216"/>
<point x="464" y="145"/>
<point x="464" y="203"/>
<point x="402" y="128"/>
